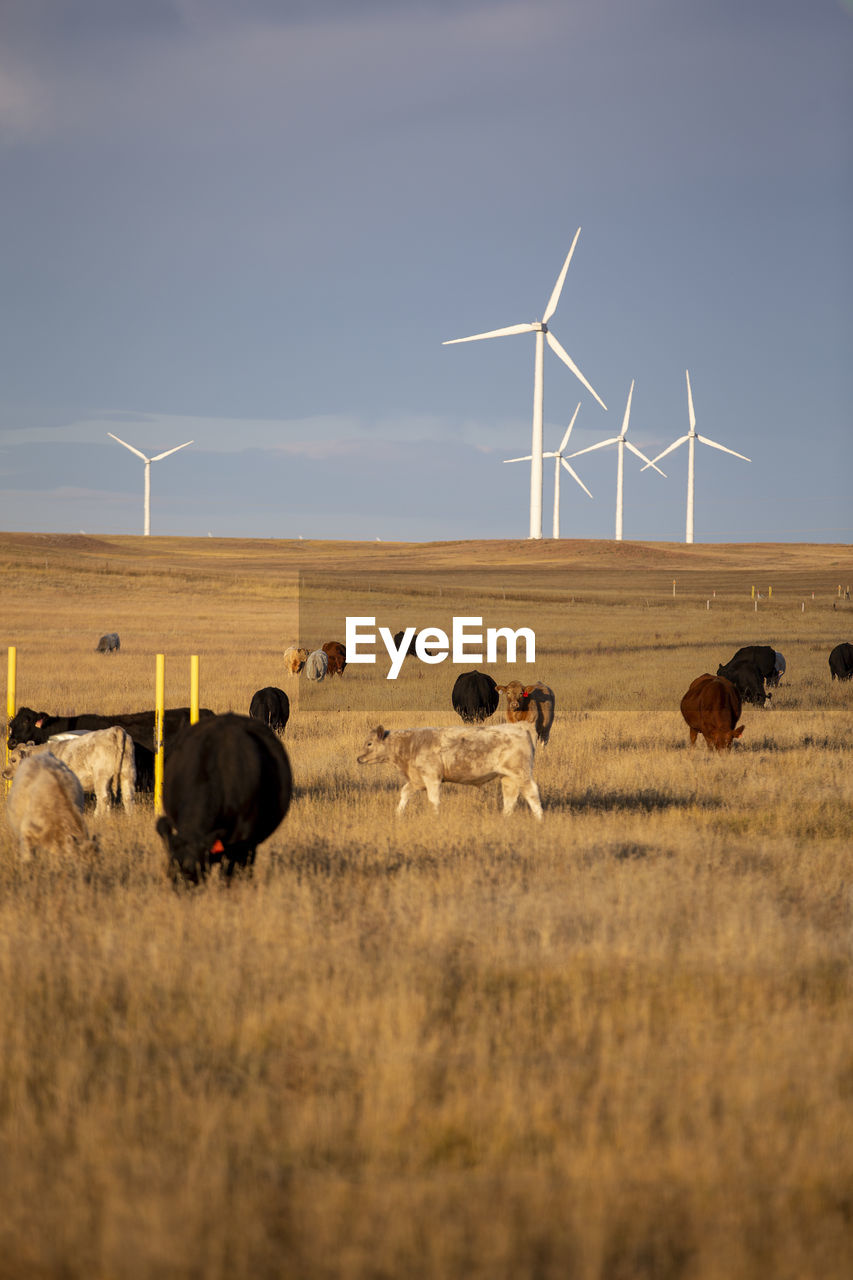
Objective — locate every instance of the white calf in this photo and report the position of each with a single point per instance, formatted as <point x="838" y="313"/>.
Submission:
<point x="103" y="761"/>
<point x="45" y="808"/>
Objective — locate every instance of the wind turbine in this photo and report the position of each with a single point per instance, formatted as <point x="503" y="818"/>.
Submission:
<point x="622" y="444"/>
<point x="691" y="438"/>
<point x="557" y="455"/>
<point x="147" y="526"/>
<point x="543" y="335"/>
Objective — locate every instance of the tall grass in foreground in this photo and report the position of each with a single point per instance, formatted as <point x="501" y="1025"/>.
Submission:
<point x="617" y="1044"/>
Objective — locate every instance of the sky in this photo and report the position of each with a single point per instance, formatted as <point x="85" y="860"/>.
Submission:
<point x="253" y="223"/>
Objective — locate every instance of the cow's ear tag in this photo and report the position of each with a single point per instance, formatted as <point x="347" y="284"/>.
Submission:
<point x="39" y="722"/>
<point x="217" y="847"/>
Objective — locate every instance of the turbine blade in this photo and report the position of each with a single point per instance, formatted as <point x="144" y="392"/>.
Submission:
<point x="175" y="450"/>
<point x="602" y="444"/>
<point x="561" y="279"/>
<point x="628" y="445"/>
<point x="565" y="439"/>
<point x="493" y="333"/>
<point x="575" y="476"/>
<point x="722" y="448"/>
<point x="625" y="420"/>
<point x="674" y="445"/>
<point x="567" y="360"/>
<point x="692" y="415"/>
<point x="129" y="446"/>
<point x="529" y="458"/>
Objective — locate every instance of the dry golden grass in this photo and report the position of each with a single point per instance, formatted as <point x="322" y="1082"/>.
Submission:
<point x="616" y="1044"/>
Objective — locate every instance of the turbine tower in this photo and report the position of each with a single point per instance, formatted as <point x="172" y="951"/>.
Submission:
<point x="622" y="444"/>
<point x="543" y="335"/>
<point x="147" y="524"/>
<point x="691" y="438"/>
<point x="557" y="455"/>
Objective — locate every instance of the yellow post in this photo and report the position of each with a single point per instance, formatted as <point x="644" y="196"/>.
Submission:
<point x="673" y="586"/>
<point x="769" y="593"/>
<point x="193" y="688"/>
<point x="159" y="707"/>
<point x="10" y="702"/>
<point x="752" y="596"/>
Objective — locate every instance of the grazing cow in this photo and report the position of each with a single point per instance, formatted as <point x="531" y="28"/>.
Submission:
<point x="102" y="760"/>
<point x="532" y="704"/>
<point x="226" y="787"/>
<point x="779" y="669"/>
<point x="398" y="640"/>
<point x="475" y="696"/>
<point x="45" y="809"/>
<point x="747" y="679"/>
<point x="294" y="660"/>
<point x="316" y="665"/>
<point x="711" y="706"/>
<point x="337" y="656"/>
<point x="841" y="662"/>
<point x="109" y="643"/>
<point x="763" y="655"/>
<point x="271" y="706"/>
<point x="427" y="757"/>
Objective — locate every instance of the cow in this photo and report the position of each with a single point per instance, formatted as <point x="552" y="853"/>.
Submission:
<point x="841" y="662"/>
<point x="226" y="787"/>
<point x="779" y="669"/>
<point x="400" y="637"/>
<point x="763" y="655"/>
<point x="37" y="726"/>
<point x="271" y="706"/>
<point x="475" y="696"/>
<point x="747" y="679"/>
<point x="294" y="660"/>
<point x="109" y="643"/>
<point x="337" y="657"/>
<point x="45" y="809"/>
<point x="102" y="760"/>
<point x="316" y="665"/>
<point x="473" y="756"/>
<point x="532" y="704"/>
<point x="712" y="706"/>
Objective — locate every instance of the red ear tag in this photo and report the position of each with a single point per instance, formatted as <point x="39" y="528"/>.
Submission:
<point x="217" y="847"/>
<point x="525" y="693"/>
<point x="39" y="723"/>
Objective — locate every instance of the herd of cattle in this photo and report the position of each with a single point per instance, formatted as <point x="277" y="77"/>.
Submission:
<point x="227" y="780"/>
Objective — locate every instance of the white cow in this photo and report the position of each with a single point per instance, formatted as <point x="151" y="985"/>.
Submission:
<point x="45" y="808"/>
<point x="103" y="760"/>
<point x="472" y="755"/>
<point x="316" y="665"/>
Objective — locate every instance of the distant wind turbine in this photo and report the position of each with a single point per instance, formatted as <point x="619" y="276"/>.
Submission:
<point x="543" y="335"/>
<point x="557" y="455"/>
<point x="691" y="438"/>
<point x="157" y="458"/>
<point x="622" y="444"/>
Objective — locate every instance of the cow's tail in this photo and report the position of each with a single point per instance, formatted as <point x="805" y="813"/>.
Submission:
<point x="127" y="771"/>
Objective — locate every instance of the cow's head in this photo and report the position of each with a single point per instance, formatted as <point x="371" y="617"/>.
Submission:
<point x="724" y="738"/>
<point x="27" y="726"/>
<point x="16" y="755"/>
<point x="374" y="750"/>
<point x="190" y="857"/>
<point x="517" y="695"/>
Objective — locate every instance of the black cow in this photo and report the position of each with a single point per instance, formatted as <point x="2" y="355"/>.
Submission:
<point x="271" y="706"/>
<point x="763" y="655"/>
<point x="841" y="662"/>
<point x="475" y="696"/>
<point x="37" y="726"/>
<point x="227" y="785"/>
<point x="109" y="643"/>
<point x="398" y="640"/>
<point x="747" y="679"/>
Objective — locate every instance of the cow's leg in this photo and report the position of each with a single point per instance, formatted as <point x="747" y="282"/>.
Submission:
<point x="433" y="786"/>
<point x="694" y="734"/>
<point x="530" y="791"/>
<point x="509" y="787"/>
<point x="406" y="793"/>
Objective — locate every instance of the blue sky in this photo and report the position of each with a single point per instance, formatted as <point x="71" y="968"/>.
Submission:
<point x="253" y="224"/>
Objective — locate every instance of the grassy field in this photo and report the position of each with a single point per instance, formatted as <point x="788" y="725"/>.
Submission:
<point x="615" y="1044"/>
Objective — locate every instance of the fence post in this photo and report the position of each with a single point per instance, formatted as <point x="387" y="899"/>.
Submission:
<point x="159" y="705"/>
<point x="10" y="702"/>
<point x="194" y="688"/>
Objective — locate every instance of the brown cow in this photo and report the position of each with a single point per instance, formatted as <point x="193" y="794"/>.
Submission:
<point x="711" y="706"/>
<point x="530" y="703"/>
<point x="337" y="655"/>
